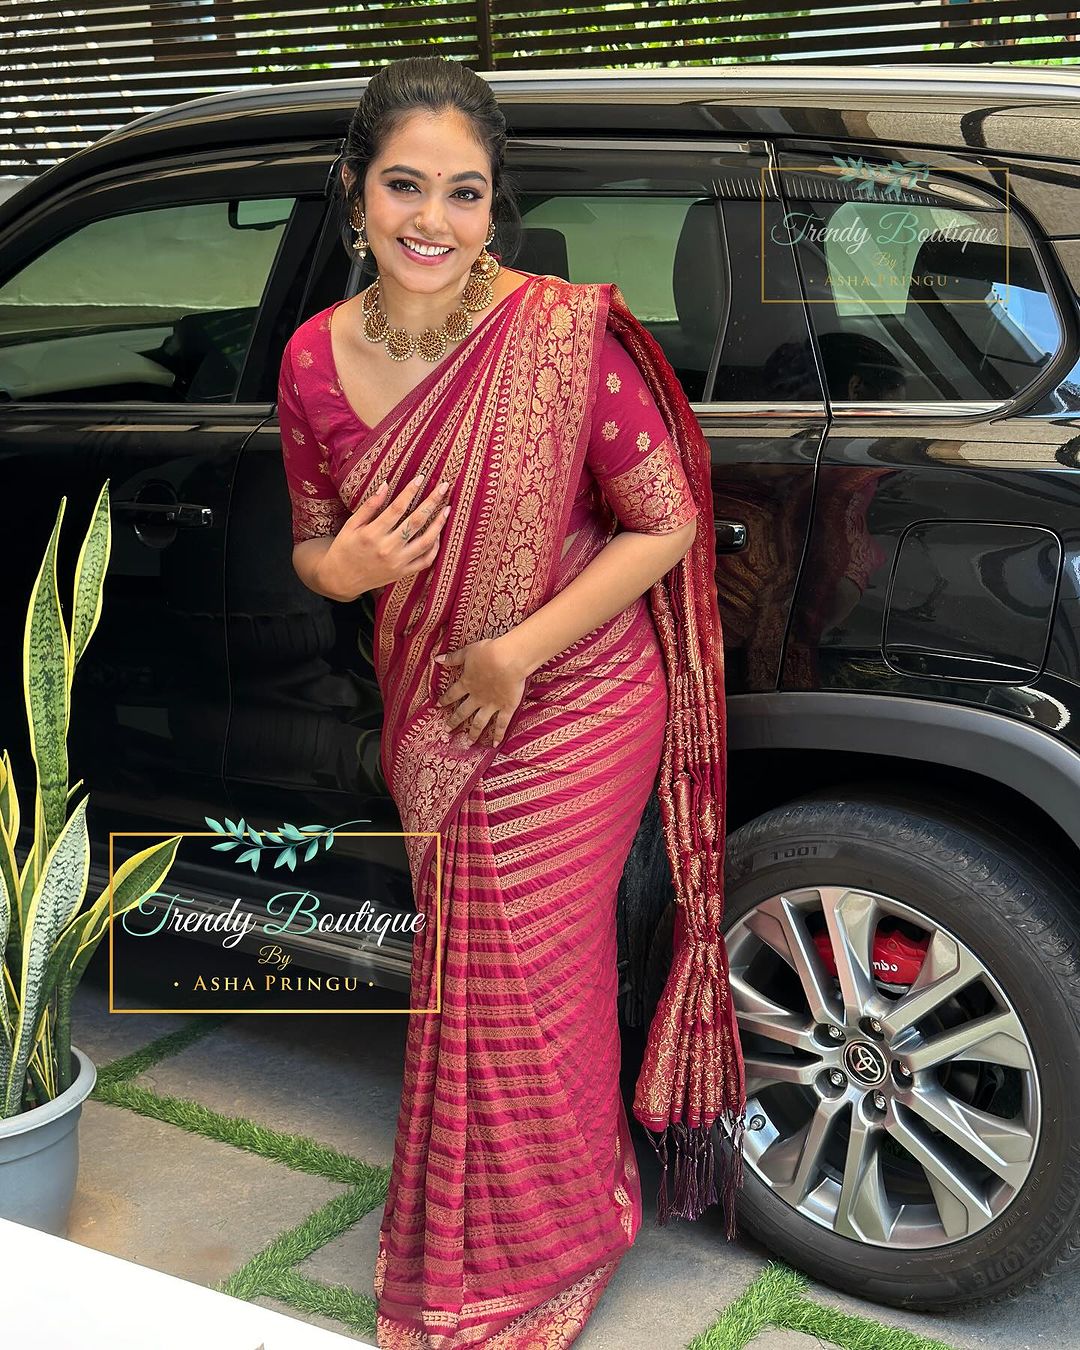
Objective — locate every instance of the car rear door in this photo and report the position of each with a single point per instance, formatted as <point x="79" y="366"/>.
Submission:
<point x="677" y="224"/>
<point x="943" y="525"/>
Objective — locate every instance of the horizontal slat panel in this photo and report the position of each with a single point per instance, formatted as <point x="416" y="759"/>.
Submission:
<point x="793" y="33"/>
<point x="710" y="54"/>
<point x="49" y="17"/>
<point x="258" y="34"/>
<point x="71" y="76"/>
<point x="844" y="14"/>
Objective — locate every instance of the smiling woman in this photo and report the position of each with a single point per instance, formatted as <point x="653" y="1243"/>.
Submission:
<point x="547" y="647"/>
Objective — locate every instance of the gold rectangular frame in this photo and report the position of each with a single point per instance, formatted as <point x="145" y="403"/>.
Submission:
<point x="272" y="1012"/>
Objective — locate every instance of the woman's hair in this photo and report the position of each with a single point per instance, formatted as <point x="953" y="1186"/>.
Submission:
<point x="431" y="84"/>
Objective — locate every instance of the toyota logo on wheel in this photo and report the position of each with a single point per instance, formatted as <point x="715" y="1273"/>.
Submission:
<point x="865" y="1063"/>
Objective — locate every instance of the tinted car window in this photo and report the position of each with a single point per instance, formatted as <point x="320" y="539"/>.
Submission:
<point x="155" y="305"/>
<point x="643" y="217"/>
<point x="632" y="237"/>
<point x="919" y="296"/>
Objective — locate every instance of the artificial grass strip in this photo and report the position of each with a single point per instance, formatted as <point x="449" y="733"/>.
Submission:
<point x="776" y="1299"/>
<point x="296" y="1151"/>
<point x="128" y="1066"/>
<point x="851" y="1331"/>
<point x="335" y="1301"/>
<point x="261" y="1275"/>
<point x="757" y="1307"/>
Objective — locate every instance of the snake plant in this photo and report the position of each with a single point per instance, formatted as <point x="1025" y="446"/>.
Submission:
<point x="47" y="936"/>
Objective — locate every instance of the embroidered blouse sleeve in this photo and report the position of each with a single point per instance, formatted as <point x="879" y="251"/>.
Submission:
<point x="317" y="508"/>
<point x="630" y="453"/>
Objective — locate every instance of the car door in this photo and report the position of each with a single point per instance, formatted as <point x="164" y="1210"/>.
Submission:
<point x="679" y="226"/>
<point x="129" y="307"/>
<point x="941" y="521"/>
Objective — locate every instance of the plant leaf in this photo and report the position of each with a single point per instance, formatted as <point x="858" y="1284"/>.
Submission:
<point x="90" y="576"/>
<point x="47" y="687"/>
<point x="57" y="896"/>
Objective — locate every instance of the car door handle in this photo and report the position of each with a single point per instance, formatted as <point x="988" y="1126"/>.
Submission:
<point x="730" y="535"/>
<point x="181" y="515"/>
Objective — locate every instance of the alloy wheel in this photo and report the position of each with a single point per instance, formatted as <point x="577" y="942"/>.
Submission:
<point x="895" y="1115"/>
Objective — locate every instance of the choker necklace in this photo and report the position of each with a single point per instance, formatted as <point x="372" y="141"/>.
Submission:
<point x="430" y="345"/>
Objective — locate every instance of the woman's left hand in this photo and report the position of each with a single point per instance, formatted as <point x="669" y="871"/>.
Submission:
<point x="489" y="687"/>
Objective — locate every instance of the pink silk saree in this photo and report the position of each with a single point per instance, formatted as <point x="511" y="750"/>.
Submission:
<point x="514" y="1190"/>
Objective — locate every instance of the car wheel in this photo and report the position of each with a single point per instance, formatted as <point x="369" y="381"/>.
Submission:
<point x="908" y="993"/>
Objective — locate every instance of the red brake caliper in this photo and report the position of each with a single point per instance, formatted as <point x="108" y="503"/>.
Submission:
<point x="897" y="957"/>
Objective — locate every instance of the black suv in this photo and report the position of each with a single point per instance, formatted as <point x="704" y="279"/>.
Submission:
<point x="894" y="414"/>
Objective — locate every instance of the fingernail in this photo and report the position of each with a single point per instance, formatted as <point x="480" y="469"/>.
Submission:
<point x="443" y="487"/>
<point x="437" y="657"/>
<point x="446" y="510"/>
<point x="419" y="478"/>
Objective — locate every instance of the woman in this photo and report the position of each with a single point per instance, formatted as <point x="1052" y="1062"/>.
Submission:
<point x="473" y="475"/>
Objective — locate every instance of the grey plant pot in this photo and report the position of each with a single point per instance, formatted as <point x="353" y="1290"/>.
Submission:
<point x="39" y="1156"/>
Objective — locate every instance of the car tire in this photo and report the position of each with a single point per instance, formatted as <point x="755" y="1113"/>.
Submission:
<point x="979" y="893"/>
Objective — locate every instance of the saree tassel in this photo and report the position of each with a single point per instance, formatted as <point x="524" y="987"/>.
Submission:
<point x="663" y="1207"/>
<point x="733" y="1175"/>
<point x="695" y="1168"/>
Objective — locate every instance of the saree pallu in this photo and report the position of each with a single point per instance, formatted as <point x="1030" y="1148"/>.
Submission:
<point x="514" y="1190"/>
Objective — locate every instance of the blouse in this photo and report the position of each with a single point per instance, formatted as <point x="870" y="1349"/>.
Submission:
<point x="630" y="457"/>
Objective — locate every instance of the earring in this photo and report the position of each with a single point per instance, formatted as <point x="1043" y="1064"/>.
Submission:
<point x="478" y="291"/>
<point x="360" y="243"/>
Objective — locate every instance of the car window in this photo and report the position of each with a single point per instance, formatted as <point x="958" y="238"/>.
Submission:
<point x="929" y="294"/>
<point x="155" y="305"/>
<point x="632" y="238"/>
<point x="643" y="217"/>
<point x="628" y="240"/>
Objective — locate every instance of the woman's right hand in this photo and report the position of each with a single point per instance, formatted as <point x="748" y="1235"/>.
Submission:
<point x="369" y="551"/>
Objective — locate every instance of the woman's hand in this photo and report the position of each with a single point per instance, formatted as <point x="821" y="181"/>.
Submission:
<point x="370" y="550"/>
<point x="489" y="686"/>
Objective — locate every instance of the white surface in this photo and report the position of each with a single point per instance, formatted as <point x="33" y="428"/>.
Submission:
<point x="59" y="1295"/>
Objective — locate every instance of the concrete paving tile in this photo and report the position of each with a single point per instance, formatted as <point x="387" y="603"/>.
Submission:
<point x="675" y="1281"/>
<point x="105" y="1036"/>
<point x="312" y="1319"/>
<point x="350" y="1258"/>
<point x="158" y="1195"/>
<point x="334" y="1076"/>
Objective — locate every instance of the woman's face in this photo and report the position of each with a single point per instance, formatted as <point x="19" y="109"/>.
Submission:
<point x="431" y="182"/>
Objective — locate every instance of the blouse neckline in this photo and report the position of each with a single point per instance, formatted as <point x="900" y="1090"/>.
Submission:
<point x="417" y="390"/>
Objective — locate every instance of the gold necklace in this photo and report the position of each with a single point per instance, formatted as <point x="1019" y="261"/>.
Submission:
<point x="430" y="345"/>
